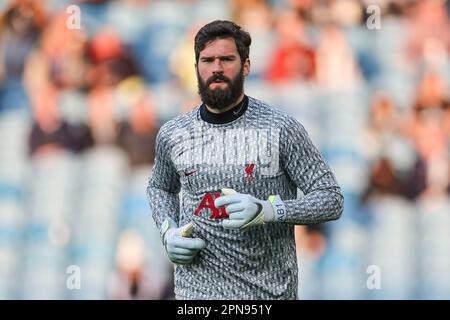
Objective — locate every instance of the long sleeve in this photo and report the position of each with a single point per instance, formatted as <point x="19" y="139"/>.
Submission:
<point x="164" y="183"/>
<point x="305" y="166"/>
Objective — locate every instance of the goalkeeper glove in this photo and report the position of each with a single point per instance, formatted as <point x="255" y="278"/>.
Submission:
<point x="244" y="210"/>
<point x="180" y="248"/>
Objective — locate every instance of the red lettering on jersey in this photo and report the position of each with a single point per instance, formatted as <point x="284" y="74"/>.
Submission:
<point x="220" y="213"/>
<point x="208" y="203"/>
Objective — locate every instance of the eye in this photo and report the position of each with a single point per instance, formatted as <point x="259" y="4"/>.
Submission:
<point x="207" y="60"/>
<point x="228" y="58"/>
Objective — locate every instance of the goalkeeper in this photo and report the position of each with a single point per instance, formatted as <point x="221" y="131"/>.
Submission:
<point x="223" y="190"/>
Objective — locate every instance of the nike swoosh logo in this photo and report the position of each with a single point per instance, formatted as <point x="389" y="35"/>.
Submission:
<point x="238" y="110"/>
<point x="190" y="173"/>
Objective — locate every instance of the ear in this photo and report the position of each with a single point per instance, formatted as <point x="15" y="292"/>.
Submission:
<point x="246" y="69"/>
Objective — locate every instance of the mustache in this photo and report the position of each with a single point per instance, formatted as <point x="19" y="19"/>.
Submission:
<point x="218" y="76"/>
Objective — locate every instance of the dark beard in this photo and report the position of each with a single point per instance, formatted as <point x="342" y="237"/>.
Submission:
<point x="220" y="99"/>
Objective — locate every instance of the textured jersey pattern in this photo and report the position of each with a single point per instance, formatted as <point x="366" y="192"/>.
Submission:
<point x="194" y="158"/>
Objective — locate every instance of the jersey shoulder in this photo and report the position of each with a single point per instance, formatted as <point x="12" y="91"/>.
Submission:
<point x="274" y="115"/>
<point x="183" y="120"/>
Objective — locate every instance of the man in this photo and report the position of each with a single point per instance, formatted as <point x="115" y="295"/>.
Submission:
<point x="237" y="163"/>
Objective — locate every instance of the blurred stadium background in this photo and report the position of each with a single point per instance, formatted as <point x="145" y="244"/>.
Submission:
<point x="80" y="108"/>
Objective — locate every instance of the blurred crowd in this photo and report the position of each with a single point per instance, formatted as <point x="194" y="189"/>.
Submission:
<point x="373" y="96"/>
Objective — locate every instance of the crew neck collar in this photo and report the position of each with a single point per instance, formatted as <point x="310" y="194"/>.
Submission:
<point x="225" y="117"/>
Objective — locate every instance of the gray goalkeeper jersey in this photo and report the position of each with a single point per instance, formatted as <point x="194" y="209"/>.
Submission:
<point x="263" y="152"/>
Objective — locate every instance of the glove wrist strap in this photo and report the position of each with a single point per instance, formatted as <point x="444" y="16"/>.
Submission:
<point x="279" y="209"/>
<point x="165" y="227"/>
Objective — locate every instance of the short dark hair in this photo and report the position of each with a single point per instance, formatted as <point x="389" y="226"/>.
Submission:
<point x="220" y="29"/>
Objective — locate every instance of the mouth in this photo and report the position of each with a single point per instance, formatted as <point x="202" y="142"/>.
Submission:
<point x="217" y="82"/>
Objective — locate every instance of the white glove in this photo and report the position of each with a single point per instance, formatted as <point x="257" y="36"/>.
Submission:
<point x="180" y="248"/>
<point x="244" y="210"/>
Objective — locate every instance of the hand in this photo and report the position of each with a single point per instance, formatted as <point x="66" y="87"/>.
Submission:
<point x="244" y="210"/>
<point x="180" y="248"/>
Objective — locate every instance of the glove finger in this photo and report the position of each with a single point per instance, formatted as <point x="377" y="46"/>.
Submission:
<point x="188" y="243"/>
<point x="232" y="224"/>
<point x="180" y="260"/>
<point x="235" y="207"/>
<point x="183" y="257"/>
<point x="241" y="215"/>
<point x="183" y="251"/>
<point x="224" y="200"/>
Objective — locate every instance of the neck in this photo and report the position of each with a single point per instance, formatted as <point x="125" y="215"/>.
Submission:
<point x="231" y="106"/>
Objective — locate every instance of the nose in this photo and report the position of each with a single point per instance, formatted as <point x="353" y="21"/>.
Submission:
<point x="217" y="66"/>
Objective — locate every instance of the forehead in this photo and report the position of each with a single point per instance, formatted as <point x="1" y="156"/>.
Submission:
<point x="219" y="46"/>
